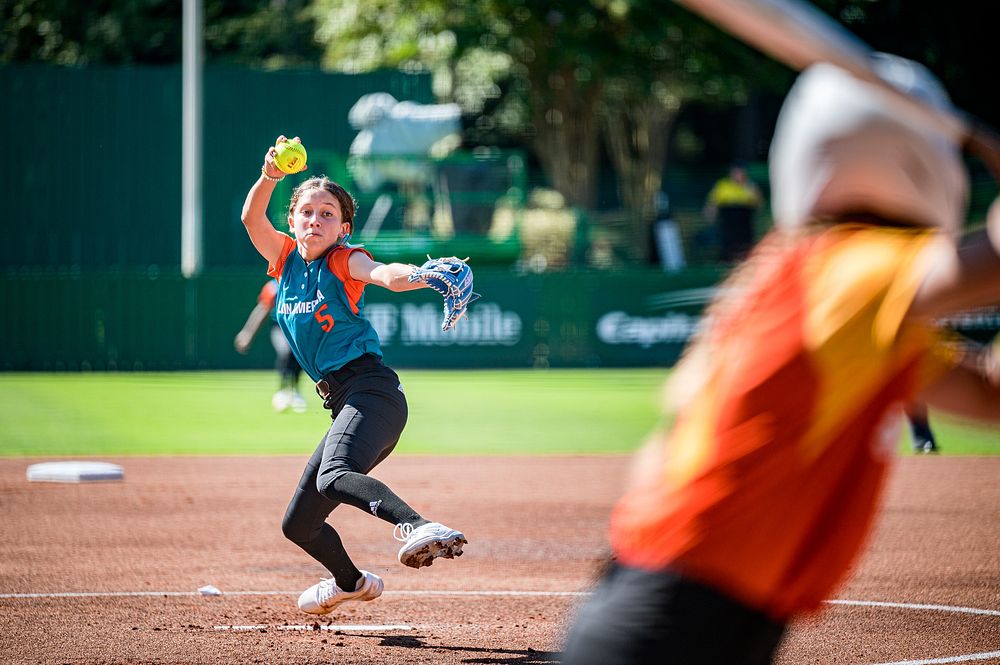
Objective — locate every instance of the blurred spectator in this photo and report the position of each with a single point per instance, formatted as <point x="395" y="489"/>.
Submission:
<point x="601" y="253"/>
<point x="731" y="206"/>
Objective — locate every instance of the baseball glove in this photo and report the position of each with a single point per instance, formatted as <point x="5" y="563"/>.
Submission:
<point x="452" y="278"/>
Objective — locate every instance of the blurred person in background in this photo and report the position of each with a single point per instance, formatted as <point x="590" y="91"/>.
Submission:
<point x="921" y="435"/>
<point x="789" y="402"/>
<point x="732" y="206"/>
<point x="289" y="370"/>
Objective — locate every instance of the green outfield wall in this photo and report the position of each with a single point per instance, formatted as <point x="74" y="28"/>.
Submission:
<point x="128" y="320"/>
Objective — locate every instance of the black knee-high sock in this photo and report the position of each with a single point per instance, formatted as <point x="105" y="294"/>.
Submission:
<point x="336" y="560"/>
<point x="305" y="525"/>
<point x="373" y="496"/>
<point x="328" y="549"/>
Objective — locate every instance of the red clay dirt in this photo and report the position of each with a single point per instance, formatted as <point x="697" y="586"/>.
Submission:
<point x="535" y="524"/>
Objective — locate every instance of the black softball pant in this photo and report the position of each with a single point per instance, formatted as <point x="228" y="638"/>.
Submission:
<point x="640" y="617"/>
<point x="369" y="412"/>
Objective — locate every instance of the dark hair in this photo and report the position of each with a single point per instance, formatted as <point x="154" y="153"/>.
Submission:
<point x="348" y="206"/>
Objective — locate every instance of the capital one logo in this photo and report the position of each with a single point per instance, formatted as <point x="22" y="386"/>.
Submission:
<point x="670" y="327"/>
<point x="645" y="331"/>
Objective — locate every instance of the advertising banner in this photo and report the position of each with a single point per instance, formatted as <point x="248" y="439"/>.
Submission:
<point x="583" y="319"/>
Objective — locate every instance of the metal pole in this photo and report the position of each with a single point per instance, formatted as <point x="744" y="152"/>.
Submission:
<point x="191" y="233"/>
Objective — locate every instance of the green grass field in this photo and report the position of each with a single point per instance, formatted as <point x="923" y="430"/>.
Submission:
<point x="451" y="412"/>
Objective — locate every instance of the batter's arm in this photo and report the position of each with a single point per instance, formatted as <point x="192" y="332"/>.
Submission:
<point x="967" y="390"/>
<point x="963" y="277"/>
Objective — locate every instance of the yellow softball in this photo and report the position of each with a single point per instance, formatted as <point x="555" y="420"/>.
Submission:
<point x="290" y="156"/>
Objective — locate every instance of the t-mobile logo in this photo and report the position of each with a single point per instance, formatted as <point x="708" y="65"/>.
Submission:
<point x="374" y="506"/>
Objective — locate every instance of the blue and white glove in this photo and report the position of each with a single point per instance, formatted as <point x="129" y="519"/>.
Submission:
<point x="452" y="278"/>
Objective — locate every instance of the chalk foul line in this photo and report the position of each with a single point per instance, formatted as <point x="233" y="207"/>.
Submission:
<point x="969" y="657"/>
<point x="441" y="592"/>
<point x="159" y="594"/>
<point x="315" y="626"/>
<point x="964" y="658"/>
<point x="916" y="606"/>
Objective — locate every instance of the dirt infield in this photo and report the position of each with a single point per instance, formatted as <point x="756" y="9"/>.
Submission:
<point x="536" y="532"/>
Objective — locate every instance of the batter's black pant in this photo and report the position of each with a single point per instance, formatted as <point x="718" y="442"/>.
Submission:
<point x="639" y="617"/>
<point x="288" y="367"/>
<point x="735" y="232"/>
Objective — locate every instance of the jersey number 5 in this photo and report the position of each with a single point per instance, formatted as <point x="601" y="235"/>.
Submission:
<point x="325" y="320"/>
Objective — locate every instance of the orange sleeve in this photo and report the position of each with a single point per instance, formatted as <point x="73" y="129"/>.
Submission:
<point x="337" y="261"/>
<point x="274" y="269"/>
<point x="268" y="293"/>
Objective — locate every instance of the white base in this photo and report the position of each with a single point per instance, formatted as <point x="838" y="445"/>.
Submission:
<point x="74" y="472"/>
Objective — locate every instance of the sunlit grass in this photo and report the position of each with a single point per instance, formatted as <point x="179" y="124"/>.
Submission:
<point x="451" y="412"/>
<point x="229" y="413"/>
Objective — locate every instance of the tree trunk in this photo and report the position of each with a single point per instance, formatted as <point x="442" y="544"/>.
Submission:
<point x="636" y="137"/>
<point x="567" y="137"/>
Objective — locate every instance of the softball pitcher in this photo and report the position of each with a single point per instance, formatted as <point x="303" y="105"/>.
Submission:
<point x="320" y="309"/>
<point x="789" y="403"/>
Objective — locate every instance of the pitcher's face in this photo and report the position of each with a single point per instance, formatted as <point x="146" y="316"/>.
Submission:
<point x="317" y="222"/>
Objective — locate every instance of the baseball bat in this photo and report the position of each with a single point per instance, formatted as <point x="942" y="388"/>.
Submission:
<point x="798" y="35"/>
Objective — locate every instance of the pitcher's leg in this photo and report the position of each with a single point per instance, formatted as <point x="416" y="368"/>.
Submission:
<point x="305" y="525"/>
<point x="364" y="432"/>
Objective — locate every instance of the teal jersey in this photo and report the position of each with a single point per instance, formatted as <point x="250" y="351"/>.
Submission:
<point x="321" y="310"/>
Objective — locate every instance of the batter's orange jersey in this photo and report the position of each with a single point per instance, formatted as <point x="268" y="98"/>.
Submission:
<point x="767" y="484"/>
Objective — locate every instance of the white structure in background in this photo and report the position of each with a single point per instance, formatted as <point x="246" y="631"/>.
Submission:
<point x="667" y="236"/>
<point x="389" y="127"/>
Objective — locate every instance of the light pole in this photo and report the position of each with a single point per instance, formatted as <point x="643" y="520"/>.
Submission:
<point x="191" y="234"/>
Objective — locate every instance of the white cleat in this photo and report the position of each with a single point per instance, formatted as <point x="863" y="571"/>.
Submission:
<point x="323" y="597"/>
<point x="281" y="401"/>
<point x="425" y="543"/>
<point x="298" y="402"/>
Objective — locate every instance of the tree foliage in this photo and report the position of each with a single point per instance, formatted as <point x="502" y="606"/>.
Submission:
<point x="275" y="34"/>
<point x="559" y="75"/>
<point x="563" y="75"/>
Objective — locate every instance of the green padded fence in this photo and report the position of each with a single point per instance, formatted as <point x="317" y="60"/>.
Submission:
<point x="131" y="320"/>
